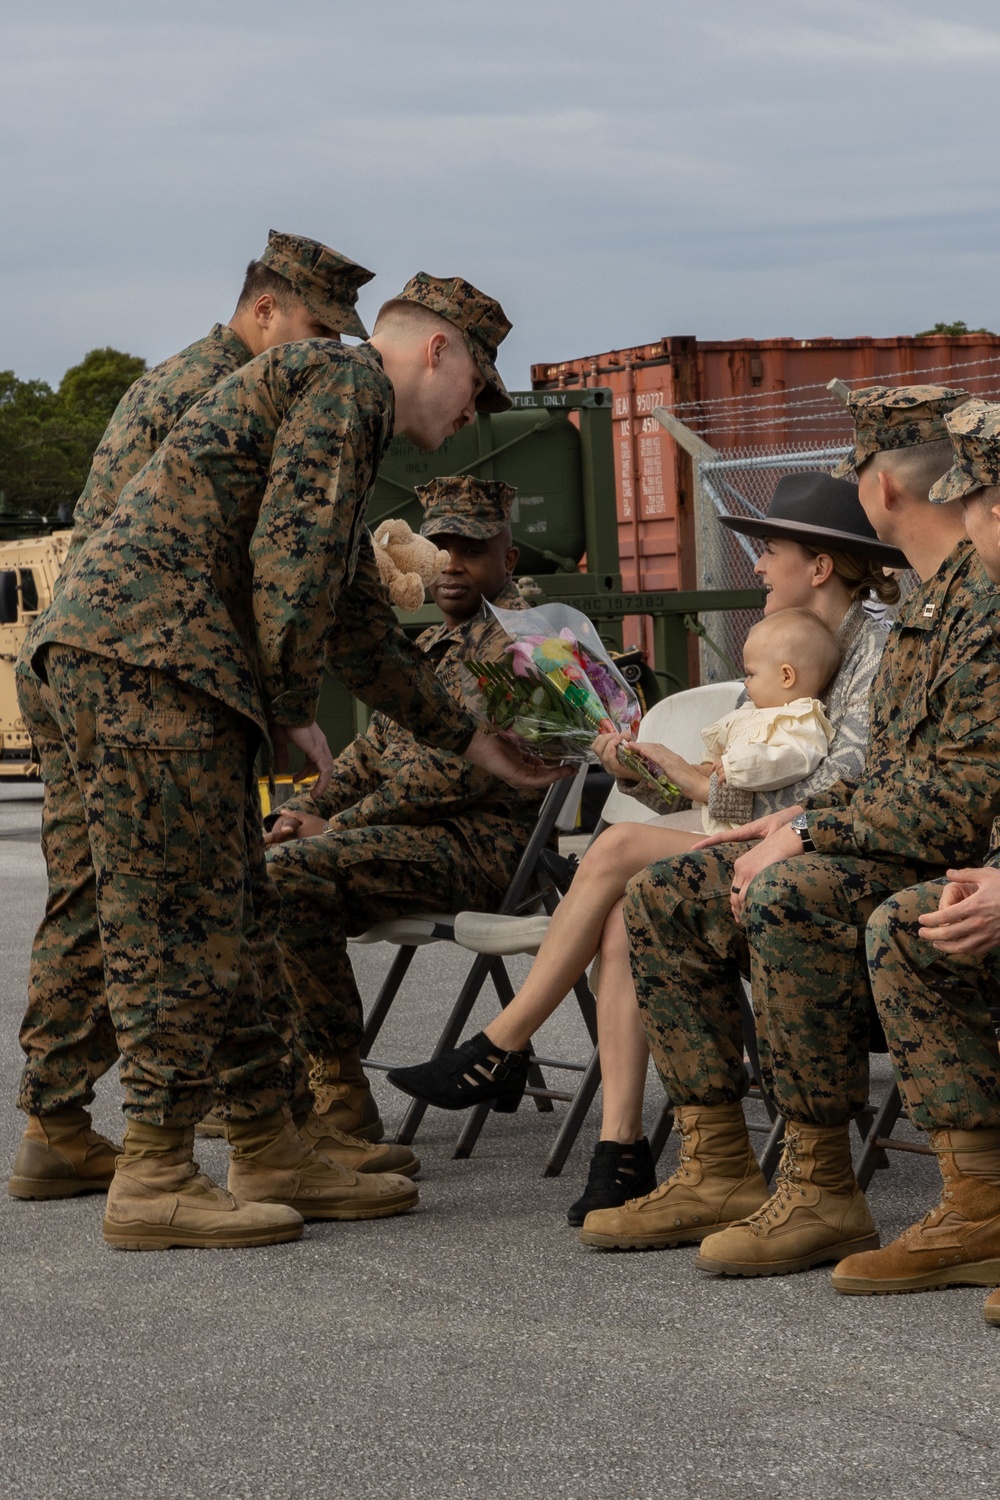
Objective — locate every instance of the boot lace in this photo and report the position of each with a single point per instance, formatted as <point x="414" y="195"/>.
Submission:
<point x="680" y="1172"/>
<point x="786" y="1187"/>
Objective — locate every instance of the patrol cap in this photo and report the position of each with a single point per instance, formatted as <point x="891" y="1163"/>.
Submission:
<point x="326" y="282"/>
<point x="974" y="430"/>
<point x="482" y="320"/>
<point x="819" y="511"/>
<point x="459" y="505"/>
<point x="896" y="416"/>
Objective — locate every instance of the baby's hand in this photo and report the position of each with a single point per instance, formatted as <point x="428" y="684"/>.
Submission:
<point x="718" y="771"/>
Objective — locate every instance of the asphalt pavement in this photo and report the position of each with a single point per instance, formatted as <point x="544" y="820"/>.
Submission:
<point x="470" y="1348"/>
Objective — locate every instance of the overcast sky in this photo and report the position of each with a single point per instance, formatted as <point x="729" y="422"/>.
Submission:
<point x="612" y="170"/>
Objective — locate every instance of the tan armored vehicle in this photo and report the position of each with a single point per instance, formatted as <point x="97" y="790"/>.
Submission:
<point x="28" y="572"/>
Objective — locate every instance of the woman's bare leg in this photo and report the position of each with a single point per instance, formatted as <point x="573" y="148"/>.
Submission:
<point x="575" y="931"/>
<point x="621" y="1036"/>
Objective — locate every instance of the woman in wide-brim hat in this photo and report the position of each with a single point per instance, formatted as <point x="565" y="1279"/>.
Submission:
<point x="820" y="553"/>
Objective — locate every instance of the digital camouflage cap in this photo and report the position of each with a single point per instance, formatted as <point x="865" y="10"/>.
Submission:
<point x="324" y="280"/>
<point x="896" y="416"/>
<point x="459" y="505"/>
<point x="482" y="320"/>
<point x="974" y="430"/>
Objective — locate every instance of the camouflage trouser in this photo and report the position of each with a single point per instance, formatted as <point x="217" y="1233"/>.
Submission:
<point x="339" y="884"/>
<point x="801" y="941"/>
<point x="162" y="776"/>
<point x="67" y="1034"/>
<point x="935" y="1008"/>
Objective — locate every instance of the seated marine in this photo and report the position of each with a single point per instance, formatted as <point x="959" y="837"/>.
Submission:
<point x="401" y="827"/>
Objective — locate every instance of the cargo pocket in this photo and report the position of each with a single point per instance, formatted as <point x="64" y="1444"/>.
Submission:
<point x="156" y="785"/>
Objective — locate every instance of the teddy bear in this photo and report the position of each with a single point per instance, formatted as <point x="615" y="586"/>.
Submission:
<point x="407" y="563"/>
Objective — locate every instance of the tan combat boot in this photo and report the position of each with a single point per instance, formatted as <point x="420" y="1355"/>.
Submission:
<point x="344" y="1097"/>
<point x="716" y="1182"/>
<point x="350" y="1151"/>
<point x="957" y="1243"/>
<point x="991" y="1308"/>
<point x="159" y="1199"/>
<point x="816" y="1212"/>
<point x="271" y="1163"/>
<point x="60" y="1155"/>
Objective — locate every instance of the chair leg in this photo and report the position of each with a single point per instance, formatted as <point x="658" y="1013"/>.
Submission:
<point x="575" y="1116"/>
<point x="460" y="1012"/>
<point x="881" y="1128"/>
<point x="386" y="995"/>
<point x="505" y="994"/>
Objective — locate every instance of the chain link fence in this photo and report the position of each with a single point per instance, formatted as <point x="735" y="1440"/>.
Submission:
<point x="739" y="482"/>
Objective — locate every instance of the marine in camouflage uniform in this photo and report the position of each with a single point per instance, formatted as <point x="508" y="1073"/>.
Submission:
<point x="937" y="1008"/>
<point x="67" y="1034"/>
<point x="411" y="828"/>
<point x="195" y="623"/>
<point x="929" y="790"/>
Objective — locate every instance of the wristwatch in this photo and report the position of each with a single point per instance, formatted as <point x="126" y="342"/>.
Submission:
<point x="801" y="827"/>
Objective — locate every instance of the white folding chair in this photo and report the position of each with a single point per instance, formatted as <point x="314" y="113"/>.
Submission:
<point x="532" y="884"/>
<point x="676" y="721"/>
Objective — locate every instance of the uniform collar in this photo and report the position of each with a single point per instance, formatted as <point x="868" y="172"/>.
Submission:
<point x="231" y="341"/>
<point x="508" y="598"/>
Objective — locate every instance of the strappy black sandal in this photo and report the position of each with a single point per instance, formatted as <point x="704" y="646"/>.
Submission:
<point x="478" y="1072"/>
<point x="617" y="1173"/>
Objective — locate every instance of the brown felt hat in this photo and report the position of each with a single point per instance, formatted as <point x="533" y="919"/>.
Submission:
<point x="819" y="511"/>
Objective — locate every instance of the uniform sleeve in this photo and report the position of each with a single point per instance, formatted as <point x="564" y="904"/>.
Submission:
<point x="930" y="803"/>
<point x="302" y="547"/>
<point x="378" y="663"/>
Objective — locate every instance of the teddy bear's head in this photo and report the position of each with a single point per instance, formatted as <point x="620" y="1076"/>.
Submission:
<point x="407" y="563"/>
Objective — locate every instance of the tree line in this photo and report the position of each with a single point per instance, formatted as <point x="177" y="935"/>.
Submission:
<point x="48" y="437"/>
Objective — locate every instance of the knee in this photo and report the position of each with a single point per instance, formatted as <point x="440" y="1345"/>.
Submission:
<point x="771" y="893"/>
<point x="606" y="853"/>
<point x="895" y="924"/>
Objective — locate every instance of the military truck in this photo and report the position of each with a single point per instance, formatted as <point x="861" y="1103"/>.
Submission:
<point x="28" y="572"/>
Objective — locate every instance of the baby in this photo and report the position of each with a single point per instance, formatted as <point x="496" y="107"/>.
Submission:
<point x="782" y="734"/>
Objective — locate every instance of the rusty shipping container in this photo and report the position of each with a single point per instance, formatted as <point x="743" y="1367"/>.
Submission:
<point x="738" y="394"/>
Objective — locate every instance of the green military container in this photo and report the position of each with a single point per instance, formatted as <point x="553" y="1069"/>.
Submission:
<point x="555" y="448"/>
<point x="544" y="448"/>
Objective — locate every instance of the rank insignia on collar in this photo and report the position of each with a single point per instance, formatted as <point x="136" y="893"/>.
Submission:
<point x="928" y="611"/>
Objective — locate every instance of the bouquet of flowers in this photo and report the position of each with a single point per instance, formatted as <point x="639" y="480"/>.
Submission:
<point x="555" y="689"/>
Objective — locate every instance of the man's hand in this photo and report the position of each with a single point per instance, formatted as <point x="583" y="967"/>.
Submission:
<point x="760" y="828"/>
<point x="968" y="916"/>
<point x="294" y="825"/>
<point x="783" y="843"/>
<point x="505" y="761"/>
<point x="311" y="740"/>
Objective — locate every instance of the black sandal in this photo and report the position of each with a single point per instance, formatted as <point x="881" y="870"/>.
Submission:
<point x="617" y="1173"/>
<point x="478" y="1072"/>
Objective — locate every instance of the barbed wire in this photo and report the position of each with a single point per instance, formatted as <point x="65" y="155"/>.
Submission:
<point x="983" y="364"/>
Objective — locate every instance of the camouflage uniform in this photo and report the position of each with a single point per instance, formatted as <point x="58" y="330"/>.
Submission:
<point x="927" y="797"/>
<point x="220" y="569"/>
<point x="411" y="829"/>
<point x="935" y="1008"/>
<point x="925" y="801"/>
<point x="66" y="1033"/>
